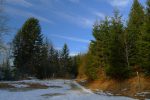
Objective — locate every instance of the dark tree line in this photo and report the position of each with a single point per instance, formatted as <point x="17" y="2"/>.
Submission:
<point x="35" y="56"/>
<point x="121" y="49"/>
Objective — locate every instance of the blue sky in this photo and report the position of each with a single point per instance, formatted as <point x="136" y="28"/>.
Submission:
<point x="65" y="21"/>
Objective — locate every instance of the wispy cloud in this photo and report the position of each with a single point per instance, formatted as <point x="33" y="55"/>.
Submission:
<point x="71" y="38"/>
<point x="81" y="21"/>
<point x="73" y="1"/>
<point x="118" y="3"/>
<point x="20" y="2"/>
<point x="99" y="14"/>
<point x="78" y="20"/>
<point x="27" y="14"/>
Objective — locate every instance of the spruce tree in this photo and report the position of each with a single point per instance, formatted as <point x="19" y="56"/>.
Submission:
<point x="17" y="52"/>
<point x="103" y="42"/>
<point x="6" y="71"/>
<point x="118" y="67"/>
<point x="53" y="61"/>
<point x="91" y="68"/>
<point x="145" y="42"/>
<point x="27" y="46"/>
<point x="75" y="60"/>
<point x="93" y="58"/>
<point x="42" y="70"/>
<point x="134" y="25"/>
<point x="99" y="50"/>
<point x="65" y="61"/>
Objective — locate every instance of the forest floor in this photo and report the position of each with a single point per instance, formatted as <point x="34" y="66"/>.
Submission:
<point x="132" y="87"/>
<point x="50" y="90"/>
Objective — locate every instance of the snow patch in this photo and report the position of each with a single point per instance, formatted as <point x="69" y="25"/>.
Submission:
<point x="19" y="85"/>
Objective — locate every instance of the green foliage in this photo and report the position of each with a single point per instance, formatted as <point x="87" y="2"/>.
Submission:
<point x="99" y="49"/>
<point x="6" y="71"/>
<point x="42" y="69"/>
<point x="107" y="51"/>
<point x="119" y="73"/>
<point x="65" y="61"/>
<point x="145" y="42"/>
<point x="134" y="26"/>
<point x="100" y="46"/>
<point x="75" y="61"/>
<point x="91" y="68"/>
<point x="118" y="68"/>
<point x="27" y="47"/>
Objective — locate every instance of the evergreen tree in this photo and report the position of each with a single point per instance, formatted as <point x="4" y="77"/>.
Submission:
<point x="91" y="68"/>
<point x="5" y="70"/>
<point x="118" y="67"/>
<point x="99" y="49"/>
<point x="27" y="46"/>
<point x="93" y="58"/>
<point x="42" y="69"/>
<point x="145" y="42"/>
<point x="53" y="61"/>
<point x="17" y="52"/>
<point x="65" y="61"/>
<point x="75" y="60"/>
<point x="134" y="32"/>
<point x="39" y="52"/>
<point x="102" y="38"/>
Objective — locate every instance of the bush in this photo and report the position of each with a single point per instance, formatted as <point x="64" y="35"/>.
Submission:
<point x="119" y="73"/>
<point x="91" y="68"/>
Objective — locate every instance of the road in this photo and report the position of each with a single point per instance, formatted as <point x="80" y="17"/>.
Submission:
<point x="56" y="90"/>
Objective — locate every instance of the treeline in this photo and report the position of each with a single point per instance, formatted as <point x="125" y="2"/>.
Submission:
<point x="120" y="49"/>
<point x="36" y="56"/>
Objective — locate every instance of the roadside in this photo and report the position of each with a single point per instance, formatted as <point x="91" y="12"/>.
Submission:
<point x="50" y="90"/>
<point x="130" y="87"/>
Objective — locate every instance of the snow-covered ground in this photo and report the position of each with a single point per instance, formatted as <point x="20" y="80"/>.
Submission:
<point x="57" y="90"/>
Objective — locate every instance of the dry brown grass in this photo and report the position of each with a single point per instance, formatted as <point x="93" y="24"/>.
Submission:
<point x="5" y="85"/>
<point x="128" y="87"/>
<point x="30" y="85"/>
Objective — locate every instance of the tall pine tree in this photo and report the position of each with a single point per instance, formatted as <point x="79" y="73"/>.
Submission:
<point x="65" y="61"/>
<point x="118" y="68"/>
<point x="134" y="26"/>
<point x="27" y="46"/>
<point x="145" y="42"/>
<point x="99" y="52"/>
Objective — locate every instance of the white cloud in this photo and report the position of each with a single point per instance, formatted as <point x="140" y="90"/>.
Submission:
<point x="58" y="48"/>
<point x="99" y="14"/>
<point x="78" y="20"/>
<point x="71" y="38"/>
<point x="27" y="14"/>
<point x="74" y="53"/>
<point x="20" y="2"/>
<point x="119" y="3"/>
<point x="85" y="22"/>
